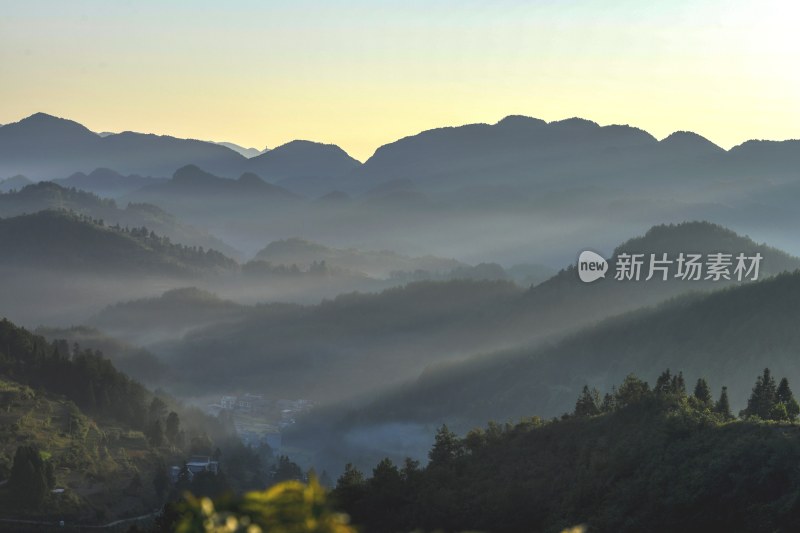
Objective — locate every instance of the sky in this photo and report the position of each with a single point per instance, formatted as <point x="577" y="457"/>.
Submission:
<point x="360" y="74"/>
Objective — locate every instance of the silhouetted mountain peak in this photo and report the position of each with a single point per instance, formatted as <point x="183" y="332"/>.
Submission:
<point x="298" y="160"/>
<point x="14" y="182"/>
<point x="303" y="146"/>
<point x="631" y="133"/>
<point x="192" y="174"/>
<point x="105" y="173"/>
<point x="690" y="140"/>
<point x="575" y="123"/>
<point x="765" y="145"/>
<point x="520" y="121"/>
<point x="705" y="237"/>
<point x="247" y="152"/>
<point x="46" y="125"/>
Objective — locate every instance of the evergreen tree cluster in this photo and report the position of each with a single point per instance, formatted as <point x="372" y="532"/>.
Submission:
<point x="83" y="376"/>
<point x="639" y="458"/>
<point x="668" y="387"/>
<point x="193" y="255"/>
<point x="771" y="402"/>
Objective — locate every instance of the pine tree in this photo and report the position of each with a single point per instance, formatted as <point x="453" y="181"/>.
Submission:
<point x="410" y="471"/>
<point x="702" y="393"/>
<point x="632" y="391"/>
<point x="763" y="398"/>
<point x="588" y="403"/>
<point x="286" y="470"/>
<point x="351" y="489"/>
<point x="609" y="401"/>
<point x="784" y="396"/>
<point x="723" y="405"/>
<point x="385" y="477"/>
<point x="678" y="385"/>
<point x="351" y="477"/>
<point x="663" y="383"/>
<point x="446" y="447"/>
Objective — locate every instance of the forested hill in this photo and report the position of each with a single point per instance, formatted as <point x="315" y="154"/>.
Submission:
<point x="62" y="241"/>
<point x="86" y="378"/>
<point x="727" y="334"/>
<point x="696" y="237"/>
<point x="652" y="459"/>
<point x="48" y="195"/>
<point x="70" y="421"/>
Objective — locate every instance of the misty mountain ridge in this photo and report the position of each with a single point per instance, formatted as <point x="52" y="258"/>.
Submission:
<point x="134" y="361"/>
<point x="382" y="263"/>
<point x="170" y="315"/>
<point x="514" y="147"/>
<point x="393" y="335"/>
<point x="107" y="182"/>
<point x="721" y="334"/>
<point x="14" y="183"/>
<point x="522" y="150"/>
<point x="607" y="330"/>
<point x="50" y="147"/>
<point x="305" y="167"/>
<point x="247" y="152"/>
<point x="48" y="195"/>
<point x="45" y="147"/>
<point x="479" y="180"/>
<point x="57" y="239"/>
<point x="191" y="180"/>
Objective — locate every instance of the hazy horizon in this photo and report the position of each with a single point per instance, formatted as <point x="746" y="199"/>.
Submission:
<point x="360" y="75"/>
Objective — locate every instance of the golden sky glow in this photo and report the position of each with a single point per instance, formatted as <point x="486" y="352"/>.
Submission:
<point x="362" y="74"/>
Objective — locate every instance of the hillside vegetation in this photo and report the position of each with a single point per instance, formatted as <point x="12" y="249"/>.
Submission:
<point x="641" y="459"/>
<point x="73" y="242"/>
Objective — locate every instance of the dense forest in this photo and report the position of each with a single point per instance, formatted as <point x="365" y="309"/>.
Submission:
<point x="670" y="457"/>
<point x="638" y="458"/>
<point x="75" y="241"/>
<point x="392" y="336"/>
<point x="727" y="334"/>
<point x="45" y="195"/>
<point x="81" y="441"/>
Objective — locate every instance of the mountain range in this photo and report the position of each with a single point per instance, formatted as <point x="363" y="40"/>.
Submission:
<point x="392" y="336"/>
<point x="106" y="182"/>
<point x="45" y="147"/>
<point x="515" y="151"/>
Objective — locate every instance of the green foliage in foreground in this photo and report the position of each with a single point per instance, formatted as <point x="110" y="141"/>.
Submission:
<point x="639" y="459"/>
<point x="288" y="507"/>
